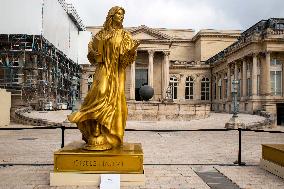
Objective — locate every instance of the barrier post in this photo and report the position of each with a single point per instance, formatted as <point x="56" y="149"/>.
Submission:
<point x="62" y="136"/>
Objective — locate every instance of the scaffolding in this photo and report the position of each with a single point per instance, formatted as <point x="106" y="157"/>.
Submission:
<point x="36" y="72"/>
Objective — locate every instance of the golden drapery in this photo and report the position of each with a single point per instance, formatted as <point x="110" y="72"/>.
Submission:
<point x="105" y="107"/>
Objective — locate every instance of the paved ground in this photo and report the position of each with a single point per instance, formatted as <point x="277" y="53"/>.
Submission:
<point x="171" y="158"/>
<point x="216" y="120"/>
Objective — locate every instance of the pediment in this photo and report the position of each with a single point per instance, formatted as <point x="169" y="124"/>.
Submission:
<point x="145" y="33"/>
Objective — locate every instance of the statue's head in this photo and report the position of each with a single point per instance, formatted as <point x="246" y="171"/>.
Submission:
<point x="114" y="17"/>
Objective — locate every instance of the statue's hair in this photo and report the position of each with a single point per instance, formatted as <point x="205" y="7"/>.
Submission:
<point x="109" y="18"/>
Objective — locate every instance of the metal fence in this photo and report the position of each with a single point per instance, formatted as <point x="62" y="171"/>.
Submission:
<point x="240" y="130"/>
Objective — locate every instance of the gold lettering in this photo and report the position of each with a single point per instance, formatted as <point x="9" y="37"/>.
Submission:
<point x="112" y="163"/>
<point x="75" y="163"/>
<point x="83" y="163"/>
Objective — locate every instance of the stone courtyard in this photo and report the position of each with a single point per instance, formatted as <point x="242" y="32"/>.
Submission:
<point x="172" y="158"/>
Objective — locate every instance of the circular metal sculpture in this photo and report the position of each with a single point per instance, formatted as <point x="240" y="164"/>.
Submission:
<point x="146" y="92"/>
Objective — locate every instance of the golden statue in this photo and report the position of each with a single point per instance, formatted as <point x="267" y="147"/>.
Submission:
<point x="102" y="116"/>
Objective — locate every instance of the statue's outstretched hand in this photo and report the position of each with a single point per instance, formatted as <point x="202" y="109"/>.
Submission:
<point x="132" y="52"/>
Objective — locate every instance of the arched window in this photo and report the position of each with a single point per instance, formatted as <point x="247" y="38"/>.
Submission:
<point x="173" y="86"/>
<point x="205" y="88"/>
<point x="189" y="88"/>
<point x="90" y="81"/>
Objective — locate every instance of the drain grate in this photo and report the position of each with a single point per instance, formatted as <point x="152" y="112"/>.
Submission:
<point x="27" y="138"/>
<point x="215" y="180"/>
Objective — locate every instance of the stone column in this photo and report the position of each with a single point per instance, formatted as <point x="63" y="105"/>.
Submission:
<point x="282" y="80"/>
<point x="181" y="88"/>
<point x="84" y="84"/>
<point x="132" y="81"/>
<point x="223" y="86"/>
<point x="151" y="69"/>
<point x="217" y="88"/>
<point x="197" y="88"/>
<point x="236" y="71"/>
<point x="229" y="83"/>
<point x="244" y="79"/>
<point x="166" y="72"/>
<point x="236" y="75"/>
<point x="254" y="75"/>
<point x="266" y="78"/>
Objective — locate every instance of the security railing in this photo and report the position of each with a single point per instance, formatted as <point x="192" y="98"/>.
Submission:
<point x="240" y="130"/>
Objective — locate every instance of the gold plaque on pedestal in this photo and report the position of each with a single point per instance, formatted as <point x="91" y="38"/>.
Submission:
<point x="273" y="153"/>
<point x="73" y="158"/>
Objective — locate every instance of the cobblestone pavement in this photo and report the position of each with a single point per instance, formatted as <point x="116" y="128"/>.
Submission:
<point x="252" y="177"/>
<point x="214" y="121"/>
<point x="170" y="158"/>
<point x="55" y="116"/>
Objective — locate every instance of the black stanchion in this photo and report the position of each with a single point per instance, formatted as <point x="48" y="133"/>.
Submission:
<point x="239" y="162"/>
<point x="62" y="136"/>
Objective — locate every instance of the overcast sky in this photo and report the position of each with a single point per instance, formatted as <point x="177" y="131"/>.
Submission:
<point x="187" y="14"/>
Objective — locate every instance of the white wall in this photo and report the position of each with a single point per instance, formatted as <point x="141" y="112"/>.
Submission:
<point x="84" y="38"/>
<point x="21" y="17"/>
<point x="59" y="29"/>
<point x="5" y="101"/>
<point x="47" y="18"/>
<point x="73" y="43"/>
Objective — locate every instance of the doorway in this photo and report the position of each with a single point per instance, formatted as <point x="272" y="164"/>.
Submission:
<point x="280" y="114"/>
<point x="141" y="78"/>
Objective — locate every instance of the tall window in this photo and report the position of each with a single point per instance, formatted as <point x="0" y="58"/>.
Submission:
<point x="239" y="87"/>
<point x="189" y="88"/>
<point x="258" y="83"/>
<point x="220" y="88"/>
<point x="215" y="88"/>
<point x="258" y="78"/>
<point x="249" y="89"/>
<point x="173" y="85"/>
<point x="276" y="83"/>
<point x="248" y="67"/>
<point x="226" y="88"/>
<point x="276" y="77"/>
<point x="280" y="26"/>
<point x="275" y="62"/>
<point x="205" y="88"/>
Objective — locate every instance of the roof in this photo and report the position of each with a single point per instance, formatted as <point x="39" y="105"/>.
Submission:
<point x="261" y="29"/>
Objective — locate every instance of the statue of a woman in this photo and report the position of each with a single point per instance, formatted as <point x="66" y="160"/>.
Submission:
<point x="103" y="114"/>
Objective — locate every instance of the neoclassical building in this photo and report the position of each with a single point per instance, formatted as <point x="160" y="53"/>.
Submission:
<point x="174" y="57"/>
<point x="256" y="62"/>
<point x="199" y="68"/>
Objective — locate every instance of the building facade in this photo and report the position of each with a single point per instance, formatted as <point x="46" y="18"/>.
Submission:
<point x="200" y="68"/>
<point x="172" y="61"/>
<point x="256" y="62"/>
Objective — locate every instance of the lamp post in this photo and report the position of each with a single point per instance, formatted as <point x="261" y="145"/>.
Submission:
<point x="234" y="123"/>
<point x="235" y="100"/>
<point x="170" y="93"/>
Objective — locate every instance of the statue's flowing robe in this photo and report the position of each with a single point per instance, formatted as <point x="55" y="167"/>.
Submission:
<point x="105" y="102"/>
